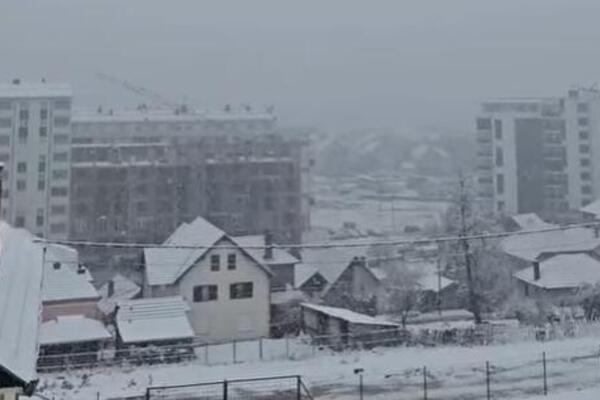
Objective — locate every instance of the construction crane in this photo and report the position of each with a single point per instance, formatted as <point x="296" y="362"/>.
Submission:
<point x="143" y="92"/>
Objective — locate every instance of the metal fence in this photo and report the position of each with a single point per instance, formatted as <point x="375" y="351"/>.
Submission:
<point x="268" y="388"/>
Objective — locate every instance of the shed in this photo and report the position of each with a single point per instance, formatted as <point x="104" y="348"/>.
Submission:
<point x="339" y="326"/>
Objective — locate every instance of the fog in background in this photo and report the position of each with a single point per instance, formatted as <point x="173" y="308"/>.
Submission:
<point x="335" y="65"/>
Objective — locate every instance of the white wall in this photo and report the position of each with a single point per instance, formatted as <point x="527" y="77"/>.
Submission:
<point x="225" y="318"/>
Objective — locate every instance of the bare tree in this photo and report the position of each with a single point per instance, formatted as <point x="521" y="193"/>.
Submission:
<point x="402" y="291"/>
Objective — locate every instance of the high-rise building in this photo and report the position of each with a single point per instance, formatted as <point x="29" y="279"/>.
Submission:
<point x="137" y="175"/>
<point x="35" y="129"/>
<point x="537" y="155"/>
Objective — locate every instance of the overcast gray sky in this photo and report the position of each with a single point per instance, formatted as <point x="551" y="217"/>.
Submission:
<point x="334" y="64"/>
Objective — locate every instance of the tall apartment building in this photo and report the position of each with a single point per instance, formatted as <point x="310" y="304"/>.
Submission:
<point x="35" y="128"/>
<point x="537" y="155"/>
<point x="137" y="175"/>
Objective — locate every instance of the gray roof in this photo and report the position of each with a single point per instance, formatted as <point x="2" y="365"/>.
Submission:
<point x="530" y="246"/>
<point x="564" y="271"/>
<point x="124" y="289"/>
<point x="592" y="208"/>
<point x="69" y="282"/>
<point x="530" y="221"/>
<point x="250" y="244"/>
<point x="20" y="301"/>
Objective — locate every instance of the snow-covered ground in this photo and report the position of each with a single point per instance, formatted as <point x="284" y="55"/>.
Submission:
<point x="453" y="373"/>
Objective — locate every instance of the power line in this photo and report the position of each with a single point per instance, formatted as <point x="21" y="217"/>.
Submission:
<point x="318" y="245"/>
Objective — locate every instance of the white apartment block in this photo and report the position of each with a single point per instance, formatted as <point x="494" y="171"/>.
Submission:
<point x="35" y="130"/>
<point x="537" y="155"/>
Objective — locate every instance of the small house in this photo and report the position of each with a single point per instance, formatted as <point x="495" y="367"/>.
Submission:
<point x="339" y="326"/>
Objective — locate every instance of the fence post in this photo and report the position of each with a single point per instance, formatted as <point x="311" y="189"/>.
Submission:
<point x="234" y="344"/>
<point x="147" y="394"/>
<point x="97" y="395"/>
<point x="225" y="390"/>
<point x="287" y="347"/>
<point x="206" y="354"/>
<point x="487" y="380"/>
<point x="424" y="383"/>
<point x="298" y="388"/>
<point x="260" y="348"/>
<point x="545" y="375"/>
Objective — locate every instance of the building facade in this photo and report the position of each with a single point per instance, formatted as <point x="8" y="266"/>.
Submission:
<point x="537" y="155"/>
<point x="35" y="129"/>
<point x="137" y="175"/>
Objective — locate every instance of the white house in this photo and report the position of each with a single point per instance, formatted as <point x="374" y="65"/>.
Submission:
<point x="226" y="287"/>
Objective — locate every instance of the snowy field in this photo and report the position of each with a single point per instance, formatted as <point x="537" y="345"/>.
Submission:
<point x="453" y="373"/>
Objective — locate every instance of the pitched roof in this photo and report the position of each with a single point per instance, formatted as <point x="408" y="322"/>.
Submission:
<point x="303" y="272"/>
<point x="70" y="281"/>
<point x="124" y="289"/>
<point x="592" y="208"/>
<point x="72" y="329"/>
<point x="530" y="221"/>
<point x="250" y="244"/>
<point x="153" y="319"/>
<point x="563" y="271"/>
<point x="166" y="265"/>
<point x="530" y="246"/>
<point x="20" y="301"/>
<point x="330" y="262"/>
<point x="348" y="315"/>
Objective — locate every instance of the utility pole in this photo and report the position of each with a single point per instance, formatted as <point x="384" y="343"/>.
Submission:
<point x="464" y="203"/>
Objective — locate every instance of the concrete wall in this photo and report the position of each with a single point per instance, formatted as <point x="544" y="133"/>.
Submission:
<point x="225" y="318"/>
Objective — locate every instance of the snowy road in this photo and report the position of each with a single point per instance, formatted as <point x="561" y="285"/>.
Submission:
<point x="516" y="372"/>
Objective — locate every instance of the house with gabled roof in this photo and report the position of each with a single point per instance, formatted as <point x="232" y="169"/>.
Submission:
<point x="226" y="286"/>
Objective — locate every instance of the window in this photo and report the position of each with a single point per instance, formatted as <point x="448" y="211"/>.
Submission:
<point x="205" y="293"/>
<point x="500" y="184"/>
<point x="23" y="134"/>
<point x="583" y="107"/>
<point x="58" y="210"/>
<point x="42" y="163"/>
<point x="61" y="156"/>
<point x="586" y="189"/>
<point x="584" y="135"/>
<point x="39" y="218"/>
<point x="584" y="162"/>
<point x="59" y="192"/>
<point x="58" y="228"/>
<point x="23" y="114"/>
<point x="4" y="140"/>
<point x="231" y="261"/>
<point x="5" y="123"/>
<point x="43" y="131"/>
<point x="584" y="148"/>
<point x="60" y="174"/>
<point x="21" y="166"/>
<point x="501" y="206"/>
<point x="20" y="221"/>
<point x="586" y="176"/>
<point x="61" y="121"/>
<point x="242" y="290"/>
<point x="498" y="129"/>
<point x="41" y="184"/>
<point x="61" y="139"/>
<point x="583" y="121"/>
<point x="21" y="185"/>
<point x="43" y="114"/>
<point x="141" y="206"/>
<point x="484" y="123"/>
<point x="215" y="262"/>
<point x="499" y="157"/>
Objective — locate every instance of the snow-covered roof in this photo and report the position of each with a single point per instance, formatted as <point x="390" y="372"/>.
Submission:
<point x="422" y="150"/>
<point x="20" y="301"/>
<point x="563" y="271"/>
<point x="592" y="208"/>
<point x="330" y="262"/>
<point x="124" y="289"/>
<point x="165" y="115"/>
<point x="530" y="246"/>
<point x="165" y="265"/>
<point x="153" y="319"/>
<point x="72" y="329"/>
<point x="29" y="89"/>
<point x="280" y="256"/>
<point x="69" y="282"/>
<point x="530" y="221"/>
<point x="348" y="315"/>
<point x="303" y="272"/>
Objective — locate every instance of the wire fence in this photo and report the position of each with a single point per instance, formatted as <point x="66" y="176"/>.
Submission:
<point x="303" y="347"/>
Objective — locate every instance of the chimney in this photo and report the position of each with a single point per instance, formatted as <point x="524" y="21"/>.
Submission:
<point x="80" y="269"/>
<point x="1" y="178"/>
<point x="56" y="265"/>
<point x="16" y="81"/>
<point x="268" y="246"/>
<point x="536" y="271"/>
<point x="596" y="231"/>
<point x="111" y="288"/>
